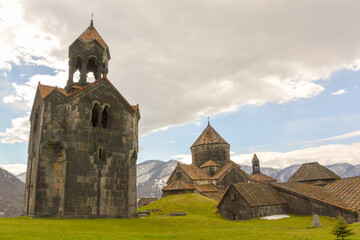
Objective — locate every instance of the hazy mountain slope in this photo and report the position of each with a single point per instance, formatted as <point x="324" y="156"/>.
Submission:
<point x="152" y="176"/>
<point x="11" y="195"/>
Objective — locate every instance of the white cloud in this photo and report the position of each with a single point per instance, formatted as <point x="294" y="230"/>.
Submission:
<point x="184" y="158"/>
<point x="326" y="154"/>
<point x="339" y="137"/>
<point x="25" y="93"/>
<point x="339" y="92"/>
<point x="18" y="133"/>
<point x="14" y="168"/>
<point x="23" y="40"/>
<point x="168" y="142"/>
<point x="192" y="58"/>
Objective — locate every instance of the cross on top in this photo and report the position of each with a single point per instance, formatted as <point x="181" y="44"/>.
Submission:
<point x="92" y="19"/>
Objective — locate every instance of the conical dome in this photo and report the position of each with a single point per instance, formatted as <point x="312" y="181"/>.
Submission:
<point x="210" y="146"/>
<point x="209" y="136"/>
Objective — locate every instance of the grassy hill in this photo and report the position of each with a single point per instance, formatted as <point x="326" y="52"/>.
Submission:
<point x="202" y="222"/>
<point x="190" y="203"/>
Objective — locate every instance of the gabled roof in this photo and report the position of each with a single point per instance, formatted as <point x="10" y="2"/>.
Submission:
<point x="259" y="177"/>
<point x="213" y="195"/>
<point x="209" y="136"/>
<point x="225" y="169"/>
<point x="210" y="163"/>
<point x="90" y="34"/>
<point x="311" y="172"/>
<point x="177" y="185"/>
<point x="313" y="192"/>
<point x="206" y="188"/>
<point x="259" y="194"/>
<point x="348" y="190"/>
<point x="46" y="90"/>
<point x="194" y="172"/>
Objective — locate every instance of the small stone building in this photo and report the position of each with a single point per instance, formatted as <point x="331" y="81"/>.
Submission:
<point x="337" y="196"/>
<point x="244" y="201"/>
<point x="83" y="142"/>
<point x="146" y="201"/>
<point x="211" y="171"/>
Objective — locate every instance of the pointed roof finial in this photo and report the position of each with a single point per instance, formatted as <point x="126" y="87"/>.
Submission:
<point x="208" y="120"/>
<point x="92" y="20"/>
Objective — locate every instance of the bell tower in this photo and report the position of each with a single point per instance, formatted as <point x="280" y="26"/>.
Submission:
<point x="255" y="164"/>
<point x="88" y="53"/>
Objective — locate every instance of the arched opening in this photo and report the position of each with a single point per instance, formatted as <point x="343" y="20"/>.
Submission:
<point x="95" y="115"/>
<point x="92" y="67"/>
<point x="105" y="117"/>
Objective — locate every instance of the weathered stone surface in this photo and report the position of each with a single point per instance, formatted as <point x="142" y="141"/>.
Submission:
<point x="82" y="160"/>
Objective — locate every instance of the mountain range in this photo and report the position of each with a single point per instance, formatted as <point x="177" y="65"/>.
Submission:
<point x="153" y="174"/>
<point x="151" y="178"/>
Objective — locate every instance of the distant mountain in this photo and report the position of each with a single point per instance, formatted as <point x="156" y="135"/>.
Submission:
<point x="11" y="195"/>
<point x="152" y="176"/>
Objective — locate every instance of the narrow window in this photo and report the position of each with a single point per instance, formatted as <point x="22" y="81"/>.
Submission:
<point x="100" y="153"/>
<point x="104" y="117"/>
<point x="178" y="175"/>
<point x="36" y="121"/>
<point x="95" y="114"/>
<point x="232" y="196"/>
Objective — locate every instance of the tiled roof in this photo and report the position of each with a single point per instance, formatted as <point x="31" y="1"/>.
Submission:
<point x="312" y="171"/>
<point x="194" y="172"/>
<point x="46" y="90"/>
<point x="259" y="177"/>
<point x="177" y="185"/>
<point x="213" y="195"/>
<point x="259" y="194"/>
<point x="147" y="200"/>
<point x="222" y="170"/>
<point x="210" y="163"/>
<point x="347" y="189"/>
<point x="206" y="188"/>
<point x="255" y="158"/>
<point x="313" y="192"/>
<point x="226" y="167"/>
<point x="90" y="34"/>
<point x="209" y="136"/>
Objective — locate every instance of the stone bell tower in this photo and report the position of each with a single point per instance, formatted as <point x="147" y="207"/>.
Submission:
<point x="83" y="142"/>
<point x="88" y="53"/>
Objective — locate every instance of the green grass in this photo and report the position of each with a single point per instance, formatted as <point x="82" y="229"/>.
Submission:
<point x="201" y="223"/>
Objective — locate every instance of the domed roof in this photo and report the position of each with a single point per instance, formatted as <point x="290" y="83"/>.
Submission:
<point x="209" y="136"/>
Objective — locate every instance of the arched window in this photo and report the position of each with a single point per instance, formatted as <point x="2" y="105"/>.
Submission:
<point x="105" y="117"/>
<point x="95" y="115"/>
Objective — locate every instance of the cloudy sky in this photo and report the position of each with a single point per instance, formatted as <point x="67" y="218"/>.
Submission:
<point x="279" y="78"/>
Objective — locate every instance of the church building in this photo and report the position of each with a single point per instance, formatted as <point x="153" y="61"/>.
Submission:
<point x="83" y="141"/>
<point x="211" y="171"/>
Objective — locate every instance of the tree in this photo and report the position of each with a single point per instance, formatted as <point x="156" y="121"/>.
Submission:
<point x="341" y="229"/>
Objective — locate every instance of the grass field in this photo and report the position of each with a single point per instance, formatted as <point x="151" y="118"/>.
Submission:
<point x="201" y="222"/>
